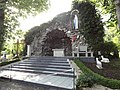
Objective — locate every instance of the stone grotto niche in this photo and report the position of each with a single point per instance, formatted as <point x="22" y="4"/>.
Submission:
<point x="56" y="39"/>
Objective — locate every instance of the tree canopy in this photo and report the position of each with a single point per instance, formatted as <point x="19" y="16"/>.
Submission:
<point x="11" y="10"/>
<point x="22" y="8"/>
<point x="91" y="27"/>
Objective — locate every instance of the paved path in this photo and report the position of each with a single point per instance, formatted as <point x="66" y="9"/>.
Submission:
<point x="99" y="87"/>
<point x="12" y="85"/>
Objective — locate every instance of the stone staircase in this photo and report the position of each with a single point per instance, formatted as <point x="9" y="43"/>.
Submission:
<point x="46" y="70"/>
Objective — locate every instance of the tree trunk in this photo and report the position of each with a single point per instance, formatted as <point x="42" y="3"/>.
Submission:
<point x="2" y="29"/>
<point x="117" y="4"/>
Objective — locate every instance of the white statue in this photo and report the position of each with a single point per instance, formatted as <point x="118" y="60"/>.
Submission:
<point x="99" y="64"/>
<point x="76" y="22"/>
<point x="4" y="54"/>
<point x="105" y="60"/>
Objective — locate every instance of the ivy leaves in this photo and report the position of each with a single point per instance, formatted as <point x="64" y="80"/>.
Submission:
<point x="91" y="25"/>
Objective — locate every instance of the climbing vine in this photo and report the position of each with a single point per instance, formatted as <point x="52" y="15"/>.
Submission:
<point x="91" y="26"/>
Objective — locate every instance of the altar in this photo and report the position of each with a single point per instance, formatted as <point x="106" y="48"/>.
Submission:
<point x="58" y="52"/>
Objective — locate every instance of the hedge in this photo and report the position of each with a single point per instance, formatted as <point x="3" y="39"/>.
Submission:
<point x="111" y="83"/>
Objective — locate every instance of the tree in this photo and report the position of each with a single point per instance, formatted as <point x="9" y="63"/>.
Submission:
<point x="10" y="10"/>
<point x="113" y="6"/>
<point x="2" y="28"/>
<point x="91" y="26"/>
<point x="112" y="35"/>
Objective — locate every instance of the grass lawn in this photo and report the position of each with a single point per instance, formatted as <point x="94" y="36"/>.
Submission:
<point x="110" y="70"/>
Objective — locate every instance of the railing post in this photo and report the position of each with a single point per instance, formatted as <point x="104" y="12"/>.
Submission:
<point x="86" y="54"/>
<point x="28" y="51"/>
<point x="73" y="54"/>
<point x="91" y="54"/>
<point x="77" y="54"/>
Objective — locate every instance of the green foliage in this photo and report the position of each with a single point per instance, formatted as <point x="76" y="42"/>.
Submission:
<point x="38" y="30"/>
<point x="108" y="7"/>
<point x="98" y="79"/>
<point x="10" y="45"/>
<point x="105" y="7"/>
<point x="2" y="26"/>
<point x="113" y="35"/>
<point x="62" y="20"/>
<point x="29" y="36"/>
<point x="21" y="8"/>
<point x="35" y="32"/>
<point x="25" y="7"/>
<point x="2" y="39"/>
<point x="91" y="26"/>
<point x="109" y="49"/>
<point x="85" y="80"/>
<point x="108" y="11"/>
<point x="11" y="10"/>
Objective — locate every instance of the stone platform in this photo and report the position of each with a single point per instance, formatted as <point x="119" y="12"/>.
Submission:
<point x="50" y="72"/>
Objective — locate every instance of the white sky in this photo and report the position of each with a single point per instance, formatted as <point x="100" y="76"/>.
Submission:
<point x="57" y="7"/>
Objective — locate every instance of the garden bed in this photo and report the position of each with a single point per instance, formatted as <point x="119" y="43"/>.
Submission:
<point x="91" y="75"/>
<point x="110" y="70"/>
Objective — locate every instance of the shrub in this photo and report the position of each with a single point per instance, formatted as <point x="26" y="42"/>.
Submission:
<point x="110" y="47"/>
<point x="85" y="80"/>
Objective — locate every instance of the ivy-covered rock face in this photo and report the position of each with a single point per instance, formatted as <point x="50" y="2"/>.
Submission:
<point x="50" y="35"/>
<point x="91" y="26"/>
<point x="56" y="39"/>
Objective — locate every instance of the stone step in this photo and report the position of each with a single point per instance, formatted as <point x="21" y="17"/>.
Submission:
<point x="42" y="72"/>
<point x="31" y="60"/>
<point x="51" y="71"/>
<point x="43" y="66"/>
<point x="64" y="60"/>
<point x="48" y="58"/>
<point x="46" y="63"/>
<point x="44" y="69"/>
